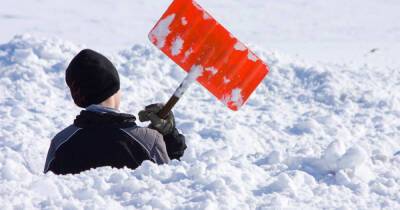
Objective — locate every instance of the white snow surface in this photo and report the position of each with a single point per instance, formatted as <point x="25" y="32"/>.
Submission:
<point x="322" y="131"/>
<point x="311" y="136"/>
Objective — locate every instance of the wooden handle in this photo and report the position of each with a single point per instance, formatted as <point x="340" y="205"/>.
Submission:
<point x="168" y="107"/>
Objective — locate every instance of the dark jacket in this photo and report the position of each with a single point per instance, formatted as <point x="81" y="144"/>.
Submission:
<point x="109" y="139"/>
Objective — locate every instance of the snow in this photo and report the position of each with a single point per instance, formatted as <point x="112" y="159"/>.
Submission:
<point x="212" y="69"/>
<point x="161" y="31"/>
<point x="184" y="21"/>
<point x="195" y="72"/>
<point x="320" y="132"/>
<point x="177" y="45"/>
<point x="188" y="53"/>
<point x="236" y="97"/>
<point x="252" y="57"/>
<point x="344" y="30"/>
<point x="239" y="46"/>
<point x="226" y="80"/>
<point x="340" y="151"/>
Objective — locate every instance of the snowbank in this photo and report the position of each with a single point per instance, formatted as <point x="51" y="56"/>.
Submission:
<point x="311" y="136"/>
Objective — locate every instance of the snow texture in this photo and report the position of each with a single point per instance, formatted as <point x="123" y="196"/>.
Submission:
<point x="161" y="31"/>
<point x="309" y="133"/>
<point x="212" y="69"/>
<point x="320" y="132"/>
<point x="177" y="45"/>
<point x="236" y="97"/>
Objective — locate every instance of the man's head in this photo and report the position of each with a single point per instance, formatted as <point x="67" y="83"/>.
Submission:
<point x="92" y="78"/>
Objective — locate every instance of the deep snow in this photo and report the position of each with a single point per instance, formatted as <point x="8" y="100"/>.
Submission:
<point x="312" y="136"/>
<point x="322" y="135"/>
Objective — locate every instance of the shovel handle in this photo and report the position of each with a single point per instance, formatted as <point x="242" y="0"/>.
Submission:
<point x="168" y="107"/>
<point x="177" y="95"/>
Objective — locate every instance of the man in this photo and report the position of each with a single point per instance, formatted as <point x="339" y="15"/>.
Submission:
<point x="101" y="135"/>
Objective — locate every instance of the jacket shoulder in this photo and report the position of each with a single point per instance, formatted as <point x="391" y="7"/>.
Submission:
<point x="62" y="136"/>
<point x="147" y="137"/>
<point x="152" y="140"/>
<point x="58" y="140"/>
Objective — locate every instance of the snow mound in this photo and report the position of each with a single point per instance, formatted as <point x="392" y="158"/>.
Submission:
<point x="310" y="133"/>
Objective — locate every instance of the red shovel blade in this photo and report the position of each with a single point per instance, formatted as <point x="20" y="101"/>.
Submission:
<point x="192" y="38"/>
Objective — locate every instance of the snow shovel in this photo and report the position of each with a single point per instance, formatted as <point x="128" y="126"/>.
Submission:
<point x="195" y="41"/>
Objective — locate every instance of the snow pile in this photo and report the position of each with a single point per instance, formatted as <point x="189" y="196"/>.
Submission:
<point x="337" y="166"/>
<point x="311" y="136"/>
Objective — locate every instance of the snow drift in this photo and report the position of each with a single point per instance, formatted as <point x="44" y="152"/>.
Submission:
<point x="311" y="136"/>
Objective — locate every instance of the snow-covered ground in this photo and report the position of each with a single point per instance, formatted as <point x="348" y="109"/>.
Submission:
<point x="322" y="130"/>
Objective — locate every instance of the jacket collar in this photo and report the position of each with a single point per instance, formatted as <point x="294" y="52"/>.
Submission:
<point x="97" y="117"/>
<point x="101" y="109"/>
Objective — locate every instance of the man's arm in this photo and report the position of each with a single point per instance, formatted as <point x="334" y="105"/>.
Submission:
<point x="174" y="141"/>
<point x="176" y="144"/>
<point x="152" y="141"/>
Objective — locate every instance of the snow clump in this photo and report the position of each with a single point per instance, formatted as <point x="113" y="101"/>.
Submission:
<point x="161" y="31"/>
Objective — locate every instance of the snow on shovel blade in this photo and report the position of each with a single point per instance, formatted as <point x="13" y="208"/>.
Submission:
<point x="194" y="40"/>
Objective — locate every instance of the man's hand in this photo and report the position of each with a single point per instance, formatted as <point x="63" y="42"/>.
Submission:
<point x="164" y="126"/>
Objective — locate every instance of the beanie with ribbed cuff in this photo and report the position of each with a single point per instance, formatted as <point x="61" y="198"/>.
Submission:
<point x="92" y="78"/>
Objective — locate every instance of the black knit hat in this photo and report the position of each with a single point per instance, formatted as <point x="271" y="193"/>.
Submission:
<point x="92" y="78"/>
